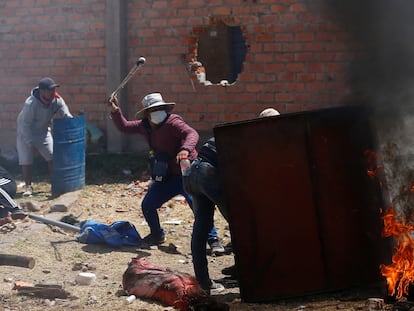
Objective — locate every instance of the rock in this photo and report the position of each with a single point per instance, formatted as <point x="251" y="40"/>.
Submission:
<point x="30" y="206"/>
<point x="58" y="208"/>
<point x="85" y="278"/>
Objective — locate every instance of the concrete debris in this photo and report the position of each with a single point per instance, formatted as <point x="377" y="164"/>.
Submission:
<point x="85" y="278"/>
<point x="92" y="300"/>
<point x="30" y="206"/>
<point x="58" y="208"/>
<point x="83" y="266"/>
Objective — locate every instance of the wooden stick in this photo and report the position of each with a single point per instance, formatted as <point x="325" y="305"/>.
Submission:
<point x="17" y="261"/>
<point x="49" y="291"/>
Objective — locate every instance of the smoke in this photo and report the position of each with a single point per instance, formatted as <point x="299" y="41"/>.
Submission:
<point x="385" y="30"/>
<point x="384" y="77"/>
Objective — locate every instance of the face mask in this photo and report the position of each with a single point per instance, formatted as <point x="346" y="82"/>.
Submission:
<point x="158" y="116"/>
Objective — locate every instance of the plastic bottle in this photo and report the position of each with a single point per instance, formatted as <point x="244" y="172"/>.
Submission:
<point x="185" y="165"/>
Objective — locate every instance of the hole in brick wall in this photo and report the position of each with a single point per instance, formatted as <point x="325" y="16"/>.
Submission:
<point x="218" y="53"/>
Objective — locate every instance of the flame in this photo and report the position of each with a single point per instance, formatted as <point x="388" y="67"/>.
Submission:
<point x="400" y="273"/>
<point x="374" y="170"/>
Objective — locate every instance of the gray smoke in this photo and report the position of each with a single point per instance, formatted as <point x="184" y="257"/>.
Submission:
<point x="386" y="30"/>
<point x="385" y="80"/>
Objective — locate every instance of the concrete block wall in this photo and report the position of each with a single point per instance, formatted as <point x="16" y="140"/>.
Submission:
<point x="298" y="57"/>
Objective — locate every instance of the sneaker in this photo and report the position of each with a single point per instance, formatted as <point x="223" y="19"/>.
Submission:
<point x="216" y="288"/>
<point x="150" y="240"/>
<point x="216" y="248"/>
<point x="28" y="191"/>
<point x="230" y="271"/>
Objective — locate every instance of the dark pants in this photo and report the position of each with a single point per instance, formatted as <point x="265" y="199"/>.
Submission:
<point x="159" y="193"/>
<point x="203" y="184"/>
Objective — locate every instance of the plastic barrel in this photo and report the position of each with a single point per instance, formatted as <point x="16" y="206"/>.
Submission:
<point x="68" y="155"/>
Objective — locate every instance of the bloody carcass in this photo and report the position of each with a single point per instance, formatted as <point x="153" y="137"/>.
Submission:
<point x="173" y="288"/>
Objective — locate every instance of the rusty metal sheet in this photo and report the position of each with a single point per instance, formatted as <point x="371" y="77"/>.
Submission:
<point x="304" y="214"/>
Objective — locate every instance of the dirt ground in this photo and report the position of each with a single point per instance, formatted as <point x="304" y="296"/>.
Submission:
<point x="58" y="255"/>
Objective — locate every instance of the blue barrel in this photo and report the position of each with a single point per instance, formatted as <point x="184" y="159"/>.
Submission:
<point x="68" y="155"/>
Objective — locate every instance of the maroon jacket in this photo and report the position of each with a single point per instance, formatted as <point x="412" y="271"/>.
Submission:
<point x="171" y="136"/>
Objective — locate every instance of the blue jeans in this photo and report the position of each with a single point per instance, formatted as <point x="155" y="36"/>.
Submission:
<point x="203" y="184"/>
<point x="161" y="192"/>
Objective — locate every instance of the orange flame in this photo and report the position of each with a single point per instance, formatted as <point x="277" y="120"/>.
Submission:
<point x="374" y="169"/>
<point x="400" y="273"/>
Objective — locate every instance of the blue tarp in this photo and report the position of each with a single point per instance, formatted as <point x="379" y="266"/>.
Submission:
<point x="117" y="234"/>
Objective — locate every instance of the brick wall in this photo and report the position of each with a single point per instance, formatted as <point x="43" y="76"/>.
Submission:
<point x="298" y="57"/>
<point x="61" y="39"/>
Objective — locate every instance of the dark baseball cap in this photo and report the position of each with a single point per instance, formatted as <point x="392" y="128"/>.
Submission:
<point x="47" y="84"/>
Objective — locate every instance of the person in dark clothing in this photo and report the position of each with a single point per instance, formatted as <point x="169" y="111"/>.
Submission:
<point x="202" y="182"/>
<point x="8" y="190"/>
<point x="169" y="139"/>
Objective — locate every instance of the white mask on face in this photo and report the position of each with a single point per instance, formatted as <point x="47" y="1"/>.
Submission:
<point x="158" y="116"/>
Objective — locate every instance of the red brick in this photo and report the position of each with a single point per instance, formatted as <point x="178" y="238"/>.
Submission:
<point x="305" y="36"/>
<point x="306" y="56"/>
<point x="275" y="67"/>
<point x="284" y="97"/>
<point x="276" y="8"/>
<point x="284" y="37"/>
<point x="306" y="77"/>
<point x="298" y="7"/>
<point x="284" y="57"/>
<point x="295" y="67"/>
<point x="313" y="46"/>
<point x="264" y="37"/>
<point x="271" y="47"/>
<point x="286" y="76"/>
<point x="296" y="52"/>
<point x="264" y="58"/>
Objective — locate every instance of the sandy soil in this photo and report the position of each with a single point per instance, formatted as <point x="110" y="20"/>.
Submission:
<point x="57" y="254"/>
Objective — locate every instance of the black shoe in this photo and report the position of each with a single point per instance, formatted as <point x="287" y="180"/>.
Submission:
<point x="230" y="271"/>
<point x="150" y="240"/>
<point x="216" y="248"/>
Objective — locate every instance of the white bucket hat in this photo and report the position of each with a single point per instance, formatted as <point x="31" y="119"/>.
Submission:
<point x="268" y="112"/>
<point x="153" y="100"/>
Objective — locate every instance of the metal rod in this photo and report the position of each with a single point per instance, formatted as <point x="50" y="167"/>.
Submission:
<point x="49" y="221"/>
<point x="131" y="73"/>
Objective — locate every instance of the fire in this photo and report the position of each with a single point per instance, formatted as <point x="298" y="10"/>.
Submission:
<point x="374" y="170"/>
<point x="400" y="273"/>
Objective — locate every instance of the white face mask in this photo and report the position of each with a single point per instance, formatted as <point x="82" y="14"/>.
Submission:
<point x="158" y="116"/>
